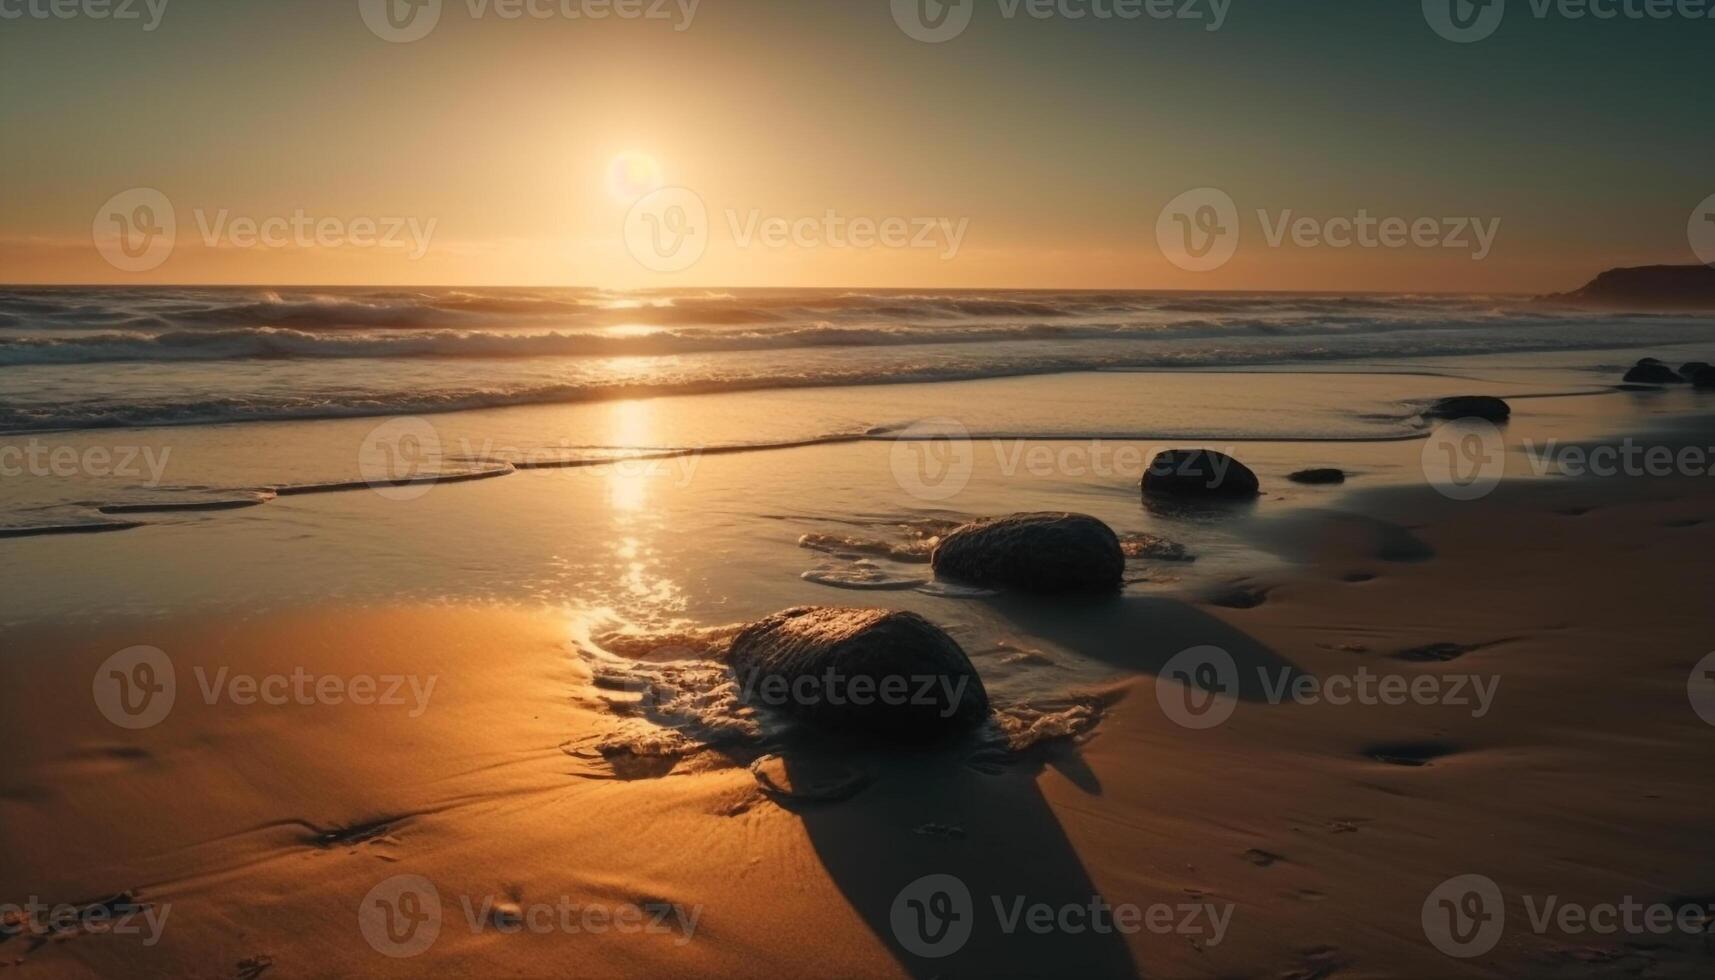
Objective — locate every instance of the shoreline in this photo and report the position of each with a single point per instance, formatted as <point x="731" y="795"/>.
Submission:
<point x="207" y="488"/>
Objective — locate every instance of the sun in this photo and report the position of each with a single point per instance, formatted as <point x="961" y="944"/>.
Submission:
<point x="632" y="175"/>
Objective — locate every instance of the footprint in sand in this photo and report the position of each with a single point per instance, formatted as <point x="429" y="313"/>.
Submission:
<point x="942" y="830"/>
<point x="370" y="832"/>
<point x="1411" y="754"/>
<point x="1239" y="597"/>
<point x="1262" y="858"/>
<point x="1316" y="963"/>
<point x="1444" y="652"/>
<point x="802" y="780"/>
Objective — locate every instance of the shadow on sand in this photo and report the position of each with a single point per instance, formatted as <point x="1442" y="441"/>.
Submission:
<point x="990" y="830"/>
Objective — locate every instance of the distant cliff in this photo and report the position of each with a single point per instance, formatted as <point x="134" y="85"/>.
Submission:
<point x="1649" y="287"/>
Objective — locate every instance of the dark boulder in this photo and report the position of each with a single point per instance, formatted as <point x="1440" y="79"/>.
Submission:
<point x="1689" y="369"/>
<point x="875" y="672"/>
<point x="1650" y="371"/>
<point x="1199" y="473"/>
<point x="1319" y="477"/>
<point x="1050" y="553"/>
<point x="1484" y="407"/>
<point x="1703" y="377"/>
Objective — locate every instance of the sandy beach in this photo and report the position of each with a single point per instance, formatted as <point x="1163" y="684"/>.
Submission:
<point x="1427" y="688"/>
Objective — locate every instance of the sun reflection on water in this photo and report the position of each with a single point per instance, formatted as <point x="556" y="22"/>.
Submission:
<point x="631" y="424"/>
<point x="643" y="591"/>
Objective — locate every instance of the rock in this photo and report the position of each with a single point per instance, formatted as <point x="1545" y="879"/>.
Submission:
<point x="867" y="671"/>
<point x="1650" y="371"/>
<point x="1689" y="369"/>
<point x="1653" y="287"/>
<point x="1319" y="477"/>
<point x="1471" y="407"/>
<point x="1703" y="377"/>
<point x="1050" y="553"/>
<point x="1199" y="473"/>
<point x="1142" y="544"/>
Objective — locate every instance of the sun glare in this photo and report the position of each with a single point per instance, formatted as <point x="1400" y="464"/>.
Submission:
<point x="632" y="175"/>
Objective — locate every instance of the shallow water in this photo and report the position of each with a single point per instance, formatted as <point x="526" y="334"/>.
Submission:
<point x="714" y="537"/>
<point x="106" y="476"/>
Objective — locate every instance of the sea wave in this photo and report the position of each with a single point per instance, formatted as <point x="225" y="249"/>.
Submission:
<point x="169" y="308"/>
<point x="249" y="343"/>
<point x="119" y="409"/>
<point x="74" y="358"/>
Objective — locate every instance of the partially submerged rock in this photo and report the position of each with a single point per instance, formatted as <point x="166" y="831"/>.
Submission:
<point x="1650" y="371"/>
<point x="1049" y="553"/>
<point x="1319" y="477"/>
<point x="867" y="671"/>
<point x="1690" y="369"/>
<point x="1199" y="473"/>
<point x="1485" y="407"/>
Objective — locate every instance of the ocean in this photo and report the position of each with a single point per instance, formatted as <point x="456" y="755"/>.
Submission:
<point x="81" y="358"/>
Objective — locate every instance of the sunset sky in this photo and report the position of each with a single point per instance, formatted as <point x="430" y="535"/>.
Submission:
<point x="1055" y="143"/>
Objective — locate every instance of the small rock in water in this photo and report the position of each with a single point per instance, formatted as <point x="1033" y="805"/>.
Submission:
<point x="871" y="671"/>
<point x="1650" y="371"/>
<point x="1689" y="369"/>
<point x="1484" y="407"/>
<point x="1319" y="477"/>
<point x="1703" y="377"/>
<point x="1199" y="473"/>
<point x="1141" y="544"/>
<point x="1048" y="553"/>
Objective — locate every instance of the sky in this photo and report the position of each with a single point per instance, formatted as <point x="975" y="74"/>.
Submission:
<point x="821" y="143"/>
